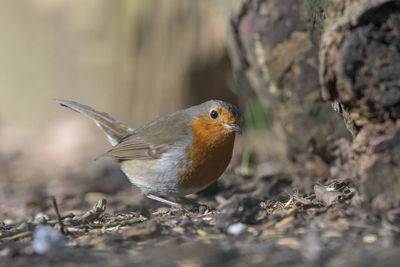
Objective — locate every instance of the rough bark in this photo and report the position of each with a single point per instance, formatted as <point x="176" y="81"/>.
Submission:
<point x="275" y="49"/>
<point x="356" y="43"/>
<point x="360" y="72"/>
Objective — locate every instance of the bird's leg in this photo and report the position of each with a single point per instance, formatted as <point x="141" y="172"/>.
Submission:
<point x="166" y="201"/>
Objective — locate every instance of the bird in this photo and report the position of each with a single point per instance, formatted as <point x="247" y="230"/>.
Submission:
<point x="174" y="155"/>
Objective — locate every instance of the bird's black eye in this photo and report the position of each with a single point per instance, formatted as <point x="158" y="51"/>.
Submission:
<point x="214" y="114"/>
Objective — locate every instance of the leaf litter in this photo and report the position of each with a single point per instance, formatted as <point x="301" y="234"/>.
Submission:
<point x="252" y="221"/>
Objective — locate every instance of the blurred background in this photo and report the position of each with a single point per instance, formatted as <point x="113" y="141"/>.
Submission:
<point x="136" y="60"/>
<point x="171" y="53"/>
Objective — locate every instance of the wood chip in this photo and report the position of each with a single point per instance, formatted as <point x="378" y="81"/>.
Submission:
<point x="178" y="230"/>
<point x="284" y="222"/>
<point x="220" y="199"/>
<point x="370" y="238"/>
<point x="292" y="243"/>
<point x="332" y="234"/>
<point x="201" y="232"/>
<point x="289" y="203"/>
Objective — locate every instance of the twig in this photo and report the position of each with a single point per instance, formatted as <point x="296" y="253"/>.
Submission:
<point x="17" y="236"/>
<point x="55" y="206"/>
<point x="90" y="215"/>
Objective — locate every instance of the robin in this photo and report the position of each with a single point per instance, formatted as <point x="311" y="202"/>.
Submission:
<point x="174" y="155"/>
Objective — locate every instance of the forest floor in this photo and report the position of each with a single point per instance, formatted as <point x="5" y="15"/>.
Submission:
<point x="243" y="221"/>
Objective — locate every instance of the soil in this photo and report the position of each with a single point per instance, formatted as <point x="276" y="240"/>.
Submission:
<point x="243" y="221"/>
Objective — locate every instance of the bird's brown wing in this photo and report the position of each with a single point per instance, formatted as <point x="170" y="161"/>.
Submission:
<point x="134" y="147"/>
<point x="154" y="139"/>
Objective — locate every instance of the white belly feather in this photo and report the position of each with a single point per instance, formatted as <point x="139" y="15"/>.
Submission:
<point x="156" y="176"/>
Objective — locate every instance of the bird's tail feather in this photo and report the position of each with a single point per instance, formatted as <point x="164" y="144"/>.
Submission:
<point x="114" y="129"/>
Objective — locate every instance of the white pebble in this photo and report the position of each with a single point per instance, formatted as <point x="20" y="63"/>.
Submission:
<point x="5" y="252"/>
<point x="237" y="228"/>
<point x="45" y="239"/>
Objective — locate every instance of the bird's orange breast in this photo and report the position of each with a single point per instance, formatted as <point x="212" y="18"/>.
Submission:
<point x="208" y="156"/>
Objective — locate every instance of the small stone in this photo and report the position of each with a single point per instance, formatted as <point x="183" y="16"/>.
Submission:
<point x="46" y="239"/>
<point x="237" y="228"/>
<point x="5" y="252"/>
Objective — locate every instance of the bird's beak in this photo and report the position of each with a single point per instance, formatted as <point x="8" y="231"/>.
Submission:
<point x="234" y="128"/>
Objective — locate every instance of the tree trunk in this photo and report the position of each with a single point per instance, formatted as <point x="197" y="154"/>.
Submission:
<point x="356" y="43"/>
<point x="274" y="48"/>
<point x="360" y="71"/>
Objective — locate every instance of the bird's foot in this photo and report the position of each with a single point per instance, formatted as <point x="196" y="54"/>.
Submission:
<point x="166" y="201"/>
<point x="187" y="204"/>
